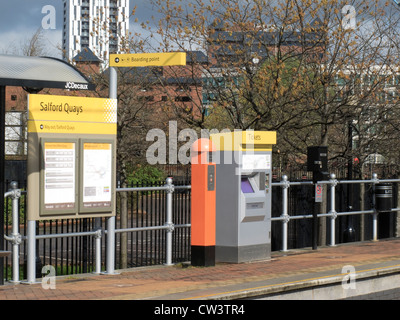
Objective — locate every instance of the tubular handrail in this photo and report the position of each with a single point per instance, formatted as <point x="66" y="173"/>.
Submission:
<point x="16" y="238"/>
<point x="333" y="182"/>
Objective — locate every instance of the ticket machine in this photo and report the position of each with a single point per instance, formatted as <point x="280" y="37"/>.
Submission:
<point x="243" y="195"/>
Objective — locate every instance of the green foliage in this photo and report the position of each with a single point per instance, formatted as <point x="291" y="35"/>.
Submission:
<point x="146" y="175"/>
<point x="8" y="210"/>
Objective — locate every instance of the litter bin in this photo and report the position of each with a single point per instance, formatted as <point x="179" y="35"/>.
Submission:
<point x="383" y="197"/>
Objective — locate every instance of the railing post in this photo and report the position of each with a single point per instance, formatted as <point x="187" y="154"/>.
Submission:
<point x="333" y="183"/>
<point x="97" y="238"/>
<point x="31" y="255"/>
<point x="285" y="217"/>
<point x="375" y="214"/>
<point x="169" y="224"/>
<point x="15" y="195"/>
<point x="110" y="262"/>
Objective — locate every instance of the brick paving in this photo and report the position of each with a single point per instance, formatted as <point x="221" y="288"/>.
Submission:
<point x="159" y="281"/>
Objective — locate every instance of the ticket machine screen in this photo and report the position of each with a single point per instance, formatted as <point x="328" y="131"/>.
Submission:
<point x="246" y="186"/>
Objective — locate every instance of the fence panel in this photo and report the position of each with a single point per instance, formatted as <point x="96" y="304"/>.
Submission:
<point x="144" y="209"/>
<point x="148" y="209"/>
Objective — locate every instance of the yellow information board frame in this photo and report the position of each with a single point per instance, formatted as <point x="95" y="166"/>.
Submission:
<point x="62" y="120"/>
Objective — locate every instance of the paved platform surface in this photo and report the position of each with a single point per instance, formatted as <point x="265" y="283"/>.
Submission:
<point x="300" y="268"/>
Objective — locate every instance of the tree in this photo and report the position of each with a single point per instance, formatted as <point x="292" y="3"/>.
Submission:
<point x="33" y="45"/>
<point x="296" y="66"/>
<point x="16" y="121"/>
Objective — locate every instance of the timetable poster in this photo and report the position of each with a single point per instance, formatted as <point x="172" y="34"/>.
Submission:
<point x="97" y="175"/>
<point x="59" y="175"/>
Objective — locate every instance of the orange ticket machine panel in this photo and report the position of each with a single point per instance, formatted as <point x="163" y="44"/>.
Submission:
<point x="203" y="204"/>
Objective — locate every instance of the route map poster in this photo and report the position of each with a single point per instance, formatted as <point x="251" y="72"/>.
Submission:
<point x="97" y="175"/>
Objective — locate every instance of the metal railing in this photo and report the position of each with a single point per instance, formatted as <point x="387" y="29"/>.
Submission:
<point x="14" y="193"/>
<point x="16" y="238"/>
<point x="169" y="226"/>
<point x="333" y="214"/>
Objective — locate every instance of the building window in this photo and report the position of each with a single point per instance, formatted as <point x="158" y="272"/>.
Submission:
<point x="146" y="98"/>
<point x="13" y="97"/>
<point x="183" y="99"/>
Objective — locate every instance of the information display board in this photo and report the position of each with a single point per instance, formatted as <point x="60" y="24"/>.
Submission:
<point x="71" y="157"/>
<point x="97" y="176"/>
<point x="58" y="176"/>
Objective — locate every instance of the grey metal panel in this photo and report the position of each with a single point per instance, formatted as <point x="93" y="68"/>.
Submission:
<point x="227" y="203"/>
<point x="239" y="254"/>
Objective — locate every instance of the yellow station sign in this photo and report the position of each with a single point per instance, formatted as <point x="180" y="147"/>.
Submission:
<point x="148" y="59"/>
<point x="78" y="115"/>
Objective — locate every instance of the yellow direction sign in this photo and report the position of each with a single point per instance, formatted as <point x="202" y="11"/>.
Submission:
<point x="148" y="59"/>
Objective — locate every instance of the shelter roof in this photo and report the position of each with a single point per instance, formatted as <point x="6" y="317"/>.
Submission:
<point x="41" y="72"/>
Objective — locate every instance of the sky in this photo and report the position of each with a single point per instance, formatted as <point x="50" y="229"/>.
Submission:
<point x="20" y="19"/>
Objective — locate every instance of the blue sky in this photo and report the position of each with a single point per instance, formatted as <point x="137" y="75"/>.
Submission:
<point x="20" y="19"/>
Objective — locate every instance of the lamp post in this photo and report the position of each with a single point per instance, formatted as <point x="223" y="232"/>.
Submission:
<point x="349" y="233"/>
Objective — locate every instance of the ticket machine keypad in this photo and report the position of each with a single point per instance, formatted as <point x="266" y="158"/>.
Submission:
<point x="210" y="178"/>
